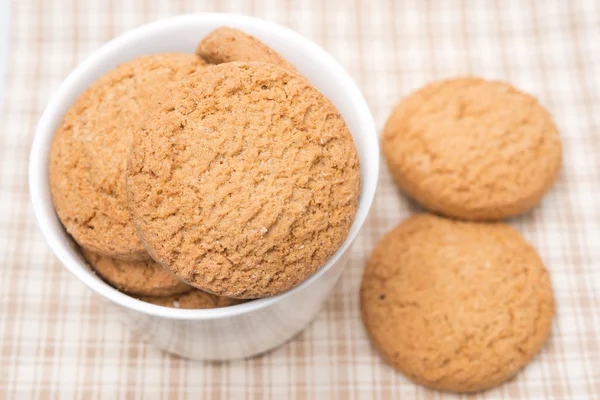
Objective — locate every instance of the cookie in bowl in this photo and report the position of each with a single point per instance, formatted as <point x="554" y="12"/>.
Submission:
<point x="89" y="151"/>
<point x="244" y="180"/>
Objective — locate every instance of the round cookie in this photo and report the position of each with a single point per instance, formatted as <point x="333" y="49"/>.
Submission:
<point x="226" y="44"/>
<point x="244" y="181"/>
<point x="143" y="277"/>
<point x="472" y="149"/>
<point x="195" y="299"/>
<point x="457" y="306"/>
<point x="90" y="149"/>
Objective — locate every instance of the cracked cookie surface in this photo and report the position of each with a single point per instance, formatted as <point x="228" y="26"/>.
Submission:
<point x="458" y="306"/>
<point x="228" y="44"/>
<point x="244" y="180"/>
<point x="472" y="149"/>
<point x="195" y="299"/>
<point x="90" y="149"/>
<point x="137" y="277"/>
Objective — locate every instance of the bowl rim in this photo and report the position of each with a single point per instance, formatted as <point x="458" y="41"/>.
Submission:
<point x="38" y="168"/>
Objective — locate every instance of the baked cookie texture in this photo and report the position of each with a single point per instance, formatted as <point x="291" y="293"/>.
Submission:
<point x="472" y="149"/>
<point x="226" y="44"/>
<point x="137" y="277"/>
<point x="195" y="299"/>
<point x="91" y="146"/>
<point x="244" y="180"/>
<point x="457" y="306"/>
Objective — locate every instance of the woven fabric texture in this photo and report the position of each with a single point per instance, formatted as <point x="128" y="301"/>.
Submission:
<point x="59" y="340"/>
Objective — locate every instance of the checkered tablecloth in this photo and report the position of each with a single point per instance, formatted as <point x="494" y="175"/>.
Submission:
<point x="58" y="340"/>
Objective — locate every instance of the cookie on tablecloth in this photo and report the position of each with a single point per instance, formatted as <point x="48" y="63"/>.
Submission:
<point x="472" y="149"/>
<point x="458" y="306"/>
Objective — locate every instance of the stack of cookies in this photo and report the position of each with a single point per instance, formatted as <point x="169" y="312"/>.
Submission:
<point x="456" y="300"/>
<point x="199" y="181"/>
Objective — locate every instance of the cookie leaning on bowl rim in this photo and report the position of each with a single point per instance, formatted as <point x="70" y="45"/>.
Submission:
<point x="458" y="306"/>
<point x="227" y="44"/>
<point x="244" y="180"/>
<point x="90" y="149"/>
<point x="472" y="149"/>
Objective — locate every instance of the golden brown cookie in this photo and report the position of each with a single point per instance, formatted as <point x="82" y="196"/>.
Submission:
<point x="458" y="306"/>
<point x="244" y="181"/>
<point x="194" y="299"/>
<point x="472" y="149"/>
<point x="90" y="149"/>
<point x="228" y="44"/>
<point x="143" y="277"/>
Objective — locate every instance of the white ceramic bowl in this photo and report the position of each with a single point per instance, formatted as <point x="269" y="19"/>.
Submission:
<point x="233" y="332"/>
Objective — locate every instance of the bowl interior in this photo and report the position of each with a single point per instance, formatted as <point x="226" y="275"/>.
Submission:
<point x="181" y="34"/>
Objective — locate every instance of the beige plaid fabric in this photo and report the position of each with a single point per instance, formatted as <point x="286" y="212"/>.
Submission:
<point x="58" y="340"/>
